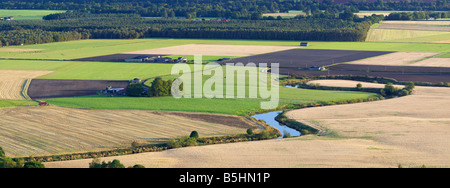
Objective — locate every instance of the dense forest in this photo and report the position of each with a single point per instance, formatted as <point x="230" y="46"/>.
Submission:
<point x="75" y="25"/>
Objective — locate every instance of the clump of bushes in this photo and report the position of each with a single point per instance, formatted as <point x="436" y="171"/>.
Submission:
<point x="111" y="164"/>
<point x="6" y="162"/>
<point x="390" y="91"/>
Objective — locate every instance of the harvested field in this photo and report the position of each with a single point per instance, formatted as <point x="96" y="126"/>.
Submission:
<point x="18" y="50"/>
<point x="420" y="27"/>
<point x="395" y="59"/>
<point x="433" y="62"/>
<point x="400" y="69"/>
<point x="399" y="76"/>
<point x="411" y="131"/>
<point x="40" y="89"/>
<point x="12" y="82"/>
<point x="305" y="58"/>
<point x="52" y="130"/>
<point x="214" y="50"/>
<point x="440" y="22"/>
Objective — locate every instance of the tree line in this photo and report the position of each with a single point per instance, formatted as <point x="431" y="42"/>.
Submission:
<point x="423" y="15"/>
<point x="74" y="26"/>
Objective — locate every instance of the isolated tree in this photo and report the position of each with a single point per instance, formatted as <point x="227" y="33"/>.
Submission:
<point x="359" y="86"/>
<point x="250" y="132"/>
<point x="194" y="134"/>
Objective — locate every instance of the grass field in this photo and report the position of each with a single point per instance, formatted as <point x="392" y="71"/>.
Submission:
<point x="223" y="106"/>
<point x="27" y="14"/>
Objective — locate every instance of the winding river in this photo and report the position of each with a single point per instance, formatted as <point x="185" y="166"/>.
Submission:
<point x="269" y="118"/>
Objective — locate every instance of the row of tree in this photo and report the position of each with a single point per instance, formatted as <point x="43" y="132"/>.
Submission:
<point x="74" y="26"/>
<point x="423" y="15"/>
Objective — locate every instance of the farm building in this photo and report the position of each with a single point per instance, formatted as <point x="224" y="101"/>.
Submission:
<point x="317" y="68"/>
<point x="113" y="91"/>
<point x="141" y="58"/>
<point x="304" y="44"/>
<point x="159" y="59"/>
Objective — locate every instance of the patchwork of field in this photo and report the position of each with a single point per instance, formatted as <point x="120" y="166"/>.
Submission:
<point x="407" y="131"/>
<point x="435" y="77"/>
<point x="214" y="50"/>
<point x="12" y="82"/>
<point x="54" y="130"/>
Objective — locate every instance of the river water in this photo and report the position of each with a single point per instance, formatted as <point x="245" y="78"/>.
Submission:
<point x="269" y="118"/>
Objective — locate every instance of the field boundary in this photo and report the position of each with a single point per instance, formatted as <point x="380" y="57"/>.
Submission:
<point x="25" y="87"/>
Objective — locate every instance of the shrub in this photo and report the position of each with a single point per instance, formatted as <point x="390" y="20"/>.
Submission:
<point x="137" y="166"/>
<point x="112" y="164"/>
<point x="33" y="164"/>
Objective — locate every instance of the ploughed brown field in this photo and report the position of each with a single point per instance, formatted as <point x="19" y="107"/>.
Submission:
<point x="305" y="58"/>
<point x="42" y="88"/>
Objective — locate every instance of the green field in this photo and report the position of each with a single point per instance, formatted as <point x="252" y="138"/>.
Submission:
<point x="27" y="14"/>
<point x="225" y="106"/>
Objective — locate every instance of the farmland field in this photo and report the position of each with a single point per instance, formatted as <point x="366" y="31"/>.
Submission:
<point x="55" y="130"/>
<point x="120" y="120"/>
<point x="410" y="31"/>
<point x="12" y="83"/>
<point x="407" y="131"/>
